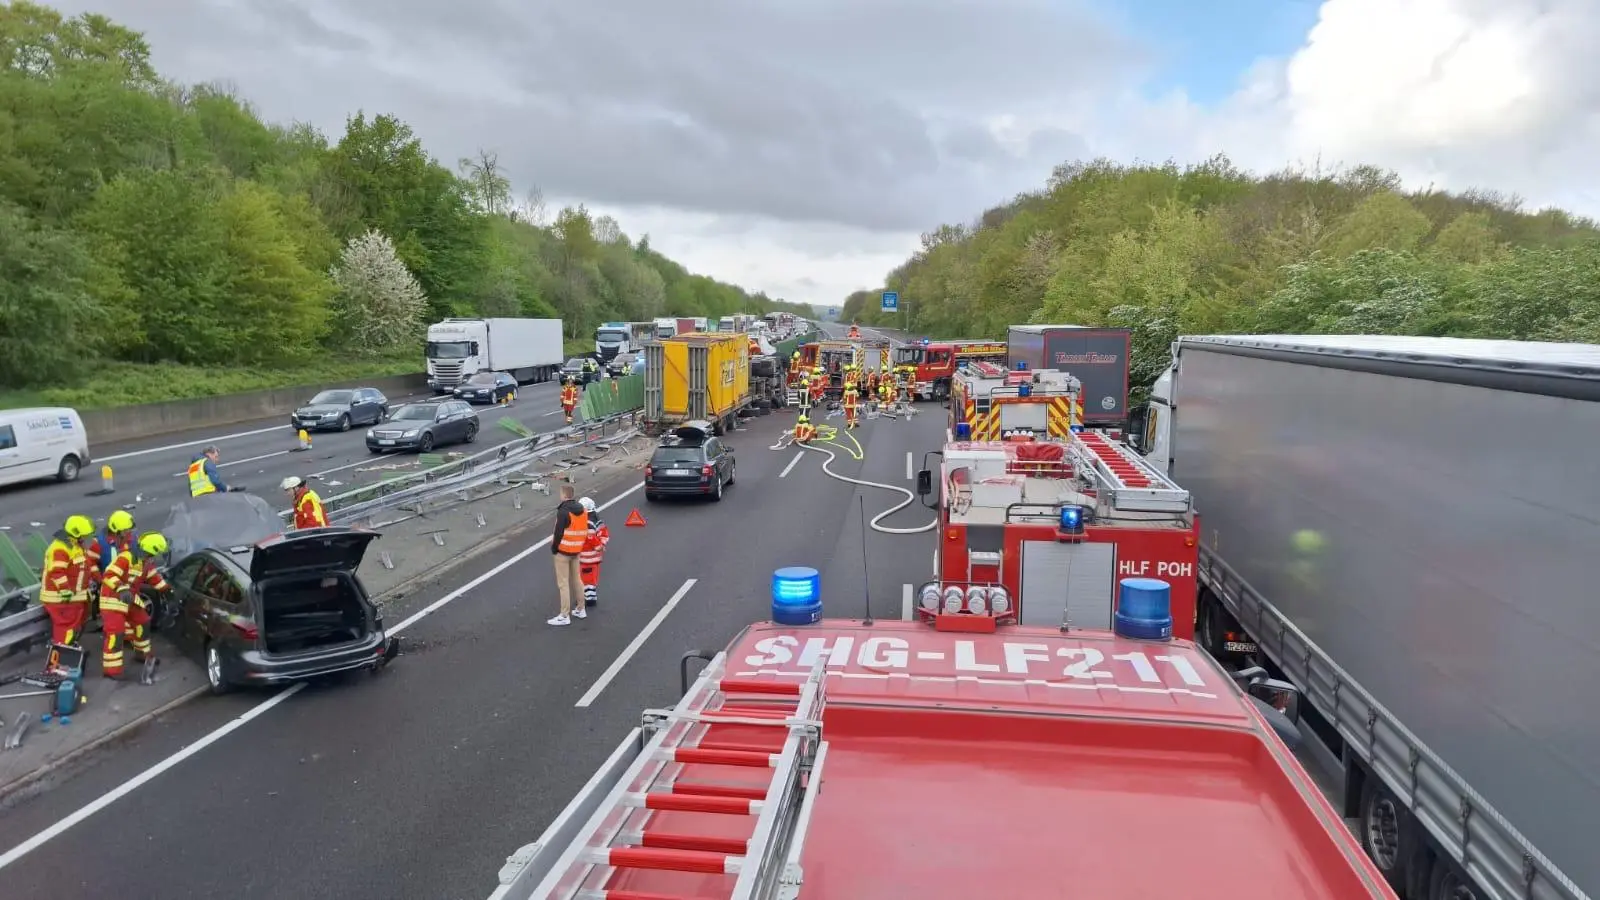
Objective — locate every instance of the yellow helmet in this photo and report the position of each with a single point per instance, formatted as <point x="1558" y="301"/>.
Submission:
<point x="78" y="527"/>
<point x="802" y="421"/>
<point x="153" y="544"/>
<point x="119" y="521"/>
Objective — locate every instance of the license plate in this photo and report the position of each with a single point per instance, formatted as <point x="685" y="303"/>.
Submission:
<point x="1238" y="647"/>
<point x="681" y="472"/>
<point x="386" y="443"/>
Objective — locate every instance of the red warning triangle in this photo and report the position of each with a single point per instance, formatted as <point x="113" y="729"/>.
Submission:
<point x="635" y="519"/>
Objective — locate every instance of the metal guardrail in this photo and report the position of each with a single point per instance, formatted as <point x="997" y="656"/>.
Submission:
<point x="24" y="622"/>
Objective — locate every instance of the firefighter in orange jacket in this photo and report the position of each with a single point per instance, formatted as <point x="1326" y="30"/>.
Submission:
<point x="593" y="553"/>
<point x="308" y="511"/>
<point x="569" y="398"/>
<point x="852" y="405"/>
<point x="64" y="586"/>
<point x="886" y="391"/>
<point x="124" y="610"/>
<point x="804" y="431"/>
<point x="819" y="386"/>
<point x="119" y="535"/>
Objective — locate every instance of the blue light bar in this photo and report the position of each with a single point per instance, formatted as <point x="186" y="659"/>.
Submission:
<point x="1024" y="390"/>
<point x="963" y="431"/>
<point x="1022" y="366"/>
<point x="1144" y="609"/>
<point x="926" y="342"/>
<point x="1072" y="519"/>
<point x="796" y="596"/>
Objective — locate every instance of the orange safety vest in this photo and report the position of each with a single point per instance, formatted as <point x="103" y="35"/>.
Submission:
<point x="569" y="396"/>
<point x="594" y="543"/>
<point x="65" y="571"/>
<point x="308" y="511"/>
<point x="575" y="535"/>
<point x="851" y="398"/>
<point x="804" y="432"/>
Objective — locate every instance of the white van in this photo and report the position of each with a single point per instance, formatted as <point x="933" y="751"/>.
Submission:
<point x="41" y="443"/>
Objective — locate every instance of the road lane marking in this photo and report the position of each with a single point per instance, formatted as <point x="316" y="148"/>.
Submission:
<point x="552" y="412"/>
<point x="627" y="653"/>
<point x="127" y="787"/>
<point x="791" y="465"/>
<point x="239" y="462"/>
<point x="200" y="443"/>
<point x="910" y="473"/>
<point x="905" y="602"/>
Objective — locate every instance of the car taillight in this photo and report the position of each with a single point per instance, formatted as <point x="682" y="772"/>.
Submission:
<point x="246" y="630"/>
<point x="648" y="471"/>
<point x="705" y="471"/>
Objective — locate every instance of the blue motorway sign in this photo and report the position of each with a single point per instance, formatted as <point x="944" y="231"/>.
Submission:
<point x="891" y="301"/>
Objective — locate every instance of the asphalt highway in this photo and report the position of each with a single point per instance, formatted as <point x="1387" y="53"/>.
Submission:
<point x="417" y="783"/>
<point x="148" y="474"/>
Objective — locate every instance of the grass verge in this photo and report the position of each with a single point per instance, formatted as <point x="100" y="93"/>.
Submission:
<point x="111" y="384"/>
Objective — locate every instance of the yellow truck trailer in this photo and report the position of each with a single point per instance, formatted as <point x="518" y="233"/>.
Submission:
<point x="696" y="376"/>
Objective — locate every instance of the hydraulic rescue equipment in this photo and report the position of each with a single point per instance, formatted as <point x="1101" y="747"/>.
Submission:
<point x="994" y="403"/>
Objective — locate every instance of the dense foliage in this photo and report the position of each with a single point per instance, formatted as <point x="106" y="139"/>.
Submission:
<point x="1208" y="249"/>
<point x="147" y="222"/>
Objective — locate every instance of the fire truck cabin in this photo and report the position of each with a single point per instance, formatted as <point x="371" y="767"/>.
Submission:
<point x="833" y="356"/>
<point x="1058" y="522"/>
<point x="854" y="761"/>
<point x="936" y="363"/>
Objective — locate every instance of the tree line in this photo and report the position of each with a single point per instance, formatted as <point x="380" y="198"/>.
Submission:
<point x="1208" y="249"/>
<point x="146" y="221"/>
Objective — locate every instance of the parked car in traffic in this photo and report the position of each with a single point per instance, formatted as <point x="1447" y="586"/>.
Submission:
<point x="341" y="409"/>
<point x="486" y="387"/>
<point x="424" y="426"/>
<point x="689" y="461"/>
<point x="622" y="364"/>
<point x="577" y="367"/>
<point x="258" y="607"/>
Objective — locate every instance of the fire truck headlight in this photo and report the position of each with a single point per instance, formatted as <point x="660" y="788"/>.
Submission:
<point x="1072" y="519"/>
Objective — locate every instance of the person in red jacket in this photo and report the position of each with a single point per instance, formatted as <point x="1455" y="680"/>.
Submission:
<point x="64" y="585"/>
<point x="124" y="610"/>
<point x="593" y="553"/>
<point x="308" y="511"/>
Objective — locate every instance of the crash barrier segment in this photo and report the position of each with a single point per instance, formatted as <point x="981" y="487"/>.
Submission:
<point x="613" y="396"/>
<point x="23" y="621"/>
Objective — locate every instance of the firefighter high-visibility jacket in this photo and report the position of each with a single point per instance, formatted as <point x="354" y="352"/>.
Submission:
<point x="569" y="396"/>
<point x="127" y="575"/>
<point x="103" y="549"/>
<point x="66" y="572"/>
<point x="308" y="511"/>
<point x="594" y="546"/>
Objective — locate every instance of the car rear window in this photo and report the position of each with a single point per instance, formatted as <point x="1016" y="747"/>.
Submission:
<point x="678" y="454"/>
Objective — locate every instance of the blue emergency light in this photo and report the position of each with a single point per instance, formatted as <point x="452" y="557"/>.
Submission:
<point x="1144" y="609"/>
<point x="926" y="342"/>
<point x="796" y="596"/>
<point x="1022" y="365"/>
<point x="1024" y="390"/>
<point x="963" y="431"/>
<point x="1072" y="519"/>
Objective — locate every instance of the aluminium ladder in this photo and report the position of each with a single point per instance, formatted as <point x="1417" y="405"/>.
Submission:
<point x="619" y="836"/>
<point x="1132" y="483"/>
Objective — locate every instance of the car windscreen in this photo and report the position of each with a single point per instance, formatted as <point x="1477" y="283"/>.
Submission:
<point x="221" y="521"/>
<point x="422" y="412"/>
<point x="573" y="363"/>
<point x="333" y="398"/>
<point x="677" y="454"/>
<point x="482" y="379"/>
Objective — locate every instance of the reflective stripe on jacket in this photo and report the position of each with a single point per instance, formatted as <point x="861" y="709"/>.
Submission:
<point x="308" y="511"/>
<point x="199" y="482"/>
<point x="594" y="543"/>
<point x="128" y="574"/>
<point x="65" y="571"/>
<point x="574" y="535"/>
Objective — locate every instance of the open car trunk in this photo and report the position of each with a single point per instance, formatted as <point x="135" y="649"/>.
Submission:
<point x="307" y="612"/>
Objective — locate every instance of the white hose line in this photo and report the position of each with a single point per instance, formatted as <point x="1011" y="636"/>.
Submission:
<point x="874" y="523"/>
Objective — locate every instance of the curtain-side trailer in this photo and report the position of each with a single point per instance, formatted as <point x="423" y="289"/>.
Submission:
<point x="1405" y="528"/>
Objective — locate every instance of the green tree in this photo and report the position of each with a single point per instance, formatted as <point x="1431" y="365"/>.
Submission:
<point x="46" y="289"/>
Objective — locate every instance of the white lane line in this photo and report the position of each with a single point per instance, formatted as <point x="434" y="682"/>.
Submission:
<point x="910" y="472"/>
<point x="627" y="653"/>
<point x="127" y="787"/>
<point x="905" y="602"/>
<point x="239" y="462"/>
<point x="551" y="412"/>
<point x="200" y="443"/>
<point x="792" y="463"/>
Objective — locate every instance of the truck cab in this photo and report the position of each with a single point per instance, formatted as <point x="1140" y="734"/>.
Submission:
<point x="455" y="352"/>
<point x="612" y="338"/>
<point x="1150" y="425"/>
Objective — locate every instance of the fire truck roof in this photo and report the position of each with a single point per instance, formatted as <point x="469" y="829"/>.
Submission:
<point x="1028" y="763"/>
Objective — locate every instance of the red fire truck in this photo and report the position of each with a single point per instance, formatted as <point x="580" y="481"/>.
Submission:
<point x="936" y="362"/>
<point x="872" y="355"/>
<point x="995" y="404"/>
<point x="852" y="760"/>
<point x="1062" y="522"/>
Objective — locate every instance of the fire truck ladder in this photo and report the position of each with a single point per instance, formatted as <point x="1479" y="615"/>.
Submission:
<point x="1131" y="483"/>
<point x="618" y="837"/>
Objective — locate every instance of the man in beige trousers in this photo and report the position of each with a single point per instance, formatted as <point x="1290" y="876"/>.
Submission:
<point x="572" y="530"/>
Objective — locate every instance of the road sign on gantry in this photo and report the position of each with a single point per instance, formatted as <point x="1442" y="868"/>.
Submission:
<point x="891" y="301"/>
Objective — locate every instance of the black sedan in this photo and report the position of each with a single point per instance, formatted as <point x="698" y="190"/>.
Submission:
<point x="260" y="608"/>
<point x="341" y="409"/>
<point x="579" y="369"/>
<point x="424" y="426"/>
<point x="486" y="387"/>
<point x="691" y="461"/>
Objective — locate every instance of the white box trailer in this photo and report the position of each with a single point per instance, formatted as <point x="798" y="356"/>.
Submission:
<point x="530" y="350"/>
<point x="1406" y="529"/>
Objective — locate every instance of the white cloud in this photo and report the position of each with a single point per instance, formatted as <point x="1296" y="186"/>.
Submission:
<point x="798" y="146"/>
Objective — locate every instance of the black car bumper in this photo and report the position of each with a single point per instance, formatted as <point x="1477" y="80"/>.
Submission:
<point x="670" y="486"/>
<point x="476" y="397"/>
<point x="318" y="424"/>
<point x="375" y="650"/>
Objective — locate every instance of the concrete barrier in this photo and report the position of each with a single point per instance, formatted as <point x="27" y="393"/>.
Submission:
<point x="107" y="426"/>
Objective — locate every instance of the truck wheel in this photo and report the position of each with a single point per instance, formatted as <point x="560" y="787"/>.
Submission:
<point x="1387" y="832"/>
<point x="1446" y="882"/>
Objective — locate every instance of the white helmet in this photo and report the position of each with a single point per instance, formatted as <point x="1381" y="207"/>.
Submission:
<point x="587" y="503"/>
<point x="290" y="483"/>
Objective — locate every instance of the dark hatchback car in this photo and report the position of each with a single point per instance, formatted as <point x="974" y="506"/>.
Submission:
<point x="690" y="461"/>
<point x="578" y="367"/>
<point x="341" y="409"/>
<point x="424" y="426"/>
<point x="486" y="387"/>
<point x="256" y="607"/>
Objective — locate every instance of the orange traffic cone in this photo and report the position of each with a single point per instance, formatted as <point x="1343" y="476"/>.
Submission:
<point x="635" y="519"/>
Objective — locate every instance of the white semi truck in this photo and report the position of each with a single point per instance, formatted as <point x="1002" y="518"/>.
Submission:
<point x="530" y="350"/>
<point x="1406" y="528"/>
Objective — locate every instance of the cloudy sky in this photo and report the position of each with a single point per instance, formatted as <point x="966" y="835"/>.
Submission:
<point x="800" y="146"/>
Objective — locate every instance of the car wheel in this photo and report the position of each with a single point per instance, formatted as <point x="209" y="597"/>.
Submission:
<point x="216" y="677"/>
<point x="716" y="496"/>
<point x="344" y="422"/>
<point x="472" y="433"/>
<point x="383" y="415"/>
<point x="426" y="443"/>
<point x="733" y="470"/>
<point x="69" y="468"/>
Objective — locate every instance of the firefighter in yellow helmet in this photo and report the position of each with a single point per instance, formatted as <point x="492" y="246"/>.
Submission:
<point x="64" y="584"/>
<point x="124" y="608"/>
<point x="804" y="431"/>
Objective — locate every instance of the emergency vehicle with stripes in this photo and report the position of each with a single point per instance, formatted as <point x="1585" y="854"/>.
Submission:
<point x="995" y="403"/>
<point x="936" y="363"/>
